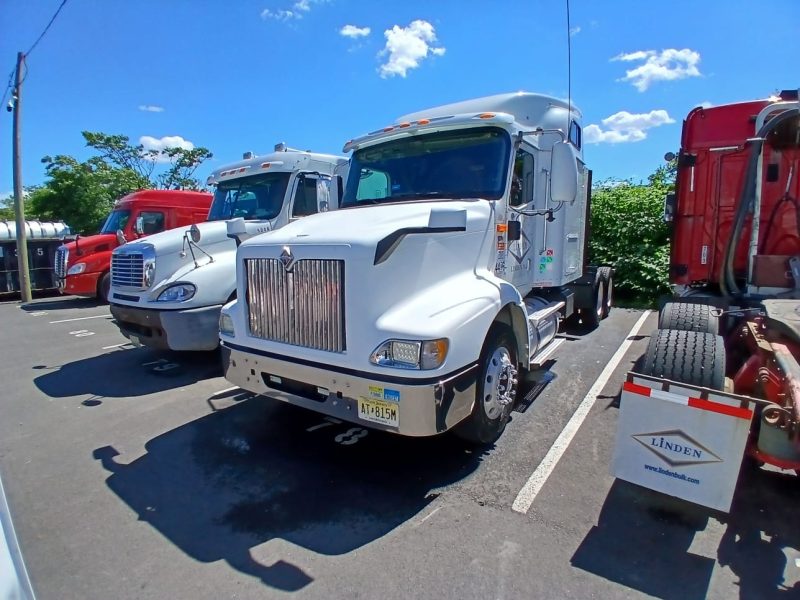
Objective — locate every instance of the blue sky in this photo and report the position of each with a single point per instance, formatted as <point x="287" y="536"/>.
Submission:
<point x="243" y="75"/>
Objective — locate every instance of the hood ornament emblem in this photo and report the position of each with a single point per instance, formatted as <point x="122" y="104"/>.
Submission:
<point x="286" y="258"/>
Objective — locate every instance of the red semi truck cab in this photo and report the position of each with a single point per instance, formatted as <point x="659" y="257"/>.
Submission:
<point x="712" y="167"/>
<point x="83" y="266"/>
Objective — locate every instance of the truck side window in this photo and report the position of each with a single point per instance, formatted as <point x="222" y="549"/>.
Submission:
<point x="305" y="197"/>
<point x="575" y="134"/>
<point x="152" y="222"/>
<point x="521" y="179"/>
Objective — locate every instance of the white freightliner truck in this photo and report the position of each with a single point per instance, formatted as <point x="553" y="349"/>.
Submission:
<point x="167" y="291"/>
<point x="457" y="250"/>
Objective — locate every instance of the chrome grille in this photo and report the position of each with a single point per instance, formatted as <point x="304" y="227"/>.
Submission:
<point x="60" y="264"/>
<point x="302" y="307"/>
<point x="127" y="269"/>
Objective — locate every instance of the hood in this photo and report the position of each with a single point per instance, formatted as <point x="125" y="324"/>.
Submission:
<point x="369" y="226"/>
<point x="84" y="246"/>
<point x="172" y="240"/>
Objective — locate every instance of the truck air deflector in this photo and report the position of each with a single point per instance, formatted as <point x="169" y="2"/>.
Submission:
<point x="421" y="381"/>
<point x="387" y="245"/>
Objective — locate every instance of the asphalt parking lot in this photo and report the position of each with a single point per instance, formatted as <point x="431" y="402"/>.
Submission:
<point x="136" y="474"/>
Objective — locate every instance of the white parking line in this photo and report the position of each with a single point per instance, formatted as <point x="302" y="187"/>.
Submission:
<point x="115" y="346"/>
<point x="106" y="316"/>
<point x="537" y="480"/>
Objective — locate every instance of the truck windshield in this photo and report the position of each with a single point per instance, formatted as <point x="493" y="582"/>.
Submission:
<point x="258" y="197"/>
<point x="116" y="220"/>
<point x="467" y="163"/>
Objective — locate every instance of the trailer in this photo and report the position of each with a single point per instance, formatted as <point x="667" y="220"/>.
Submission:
<point x="416" y="308"/>
<point x="43" y="238"/>
<point x="719" y="384"/>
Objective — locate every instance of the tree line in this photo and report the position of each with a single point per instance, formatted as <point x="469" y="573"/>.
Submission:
<point x="83" y="193"/>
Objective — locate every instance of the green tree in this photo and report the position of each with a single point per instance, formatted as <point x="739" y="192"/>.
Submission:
<point x="83" y="193"/>
<point x="628" y="232"/>
<point x="7" y="208"/>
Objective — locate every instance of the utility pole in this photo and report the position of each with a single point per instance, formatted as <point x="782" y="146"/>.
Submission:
<point x="19" y="200"/>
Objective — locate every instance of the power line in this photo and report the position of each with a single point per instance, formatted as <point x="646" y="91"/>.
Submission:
<point x="41" y="35"/>
<point x="10" y="85"/>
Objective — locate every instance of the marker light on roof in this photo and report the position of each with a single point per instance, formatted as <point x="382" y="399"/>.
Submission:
<point x="404" y="125"/>
<point x="265" y="165"/>
<point x="388" y="128"/>
<point x="486" y="115"/>
<point x="423" y="121"/>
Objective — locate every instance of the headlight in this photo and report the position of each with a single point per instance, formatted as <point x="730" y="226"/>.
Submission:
<point x="226" y="324"/>
<point x="76" y="269"/>
<point x="149" y="273"/>
<point x="411" y="354"/>
<point x="177" y="293"/>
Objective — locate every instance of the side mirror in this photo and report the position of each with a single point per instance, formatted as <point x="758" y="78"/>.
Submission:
<point x="335" y="192"/>
<point x="323" y="194"/>
<point x="138" y="227"/>
<point x="194" y="233"/>
<point x="563" y="173"/>
<point x="514" y="231"/>
<point x="669" y="207"/>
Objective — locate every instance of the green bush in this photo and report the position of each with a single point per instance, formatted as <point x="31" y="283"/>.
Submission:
<point x="629" y="233"/>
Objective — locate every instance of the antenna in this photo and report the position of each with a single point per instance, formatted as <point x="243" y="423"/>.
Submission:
<point x="569" y="72"/>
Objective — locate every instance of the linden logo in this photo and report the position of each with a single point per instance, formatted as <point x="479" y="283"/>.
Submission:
<point x="286" y="258"/>
<point x="676" y="448"/>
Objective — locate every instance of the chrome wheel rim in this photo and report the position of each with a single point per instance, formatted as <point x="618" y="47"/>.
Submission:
<point x="499" y="383"/>
<point x="600" y="299"/>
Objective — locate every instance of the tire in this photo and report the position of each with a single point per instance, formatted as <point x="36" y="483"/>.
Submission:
<point x="591" y="317"/>
<point x="498" y="369"/>
<point x="104" y="288"/>
<point x="692" y="357"/>
<point x="606" y="274"/>
<point x="689" y="316"/>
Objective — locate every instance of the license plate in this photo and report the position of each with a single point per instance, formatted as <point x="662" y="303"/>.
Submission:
<point x="378" y="411"/>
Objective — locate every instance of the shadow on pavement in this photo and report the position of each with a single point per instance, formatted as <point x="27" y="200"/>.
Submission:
<point x="63" y="303"/>
<point x="219" y="486"/>
<point x="762" y="523"/>
<point x="642" y="539"/>
<point x="124" y="373"/>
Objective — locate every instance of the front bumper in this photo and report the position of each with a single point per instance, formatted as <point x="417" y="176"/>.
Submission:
<point x="191" y="329"/>
<point x="83" y="284"/>
<point x="427" y="408"/>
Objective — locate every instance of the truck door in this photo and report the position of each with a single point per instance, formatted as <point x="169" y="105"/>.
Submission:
<point x="304" y="200"/>
<point x="522" y="197"/>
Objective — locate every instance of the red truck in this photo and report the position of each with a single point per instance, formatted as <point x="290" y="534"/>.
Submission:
<point x="720" y="379"/>
<point x="83" y="265"/>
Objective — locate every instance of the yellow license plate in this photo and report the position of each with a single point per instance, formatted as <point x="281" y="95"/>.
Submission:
<point x="378" y="411"/>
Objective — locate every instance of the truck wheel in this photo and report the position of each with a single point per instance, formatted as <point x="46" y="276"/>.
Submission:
<point x="689" y="316"/>
<point x="606" y="274"/>
<point x="693" y="357"/>
<point x="591" y="317"/>
<point x="496" y="389"/>
<point x="104" y="289"/>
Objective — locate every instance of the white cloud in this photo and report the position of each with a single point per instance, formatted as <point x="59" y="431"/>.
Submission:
<point x="574" y="31"/>
<point x="705" y="104"/>
<point x="151" y="108"/>
<point x="407" y="47"/>
<point x="667" y="65"/>
<point x="160" y="144"/>
<point x="625" y="127"/>
<point x="353" y="32"/>
<point x="295" y="12"/>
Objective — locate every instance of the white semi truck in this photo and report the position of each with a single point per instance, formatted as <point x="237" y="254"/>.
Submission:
<point x="457" y="250"/>
<point x="167" y="291"/>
